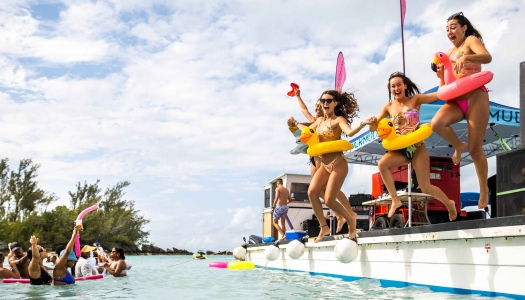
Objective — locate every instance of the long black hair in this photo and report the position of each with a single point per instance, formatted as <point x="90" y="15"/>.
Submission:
<point x="462" y="21"/>
<point x="120" y="251"/>
<point x="346" y="107"/>
<point x="30" y="252"/>
<point x="411" y="90"/>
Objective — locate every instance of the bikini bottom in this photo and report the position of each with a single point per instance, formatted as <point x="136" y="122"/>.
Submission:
<point x="330" y="167"/>
<point x="463" y="104"/>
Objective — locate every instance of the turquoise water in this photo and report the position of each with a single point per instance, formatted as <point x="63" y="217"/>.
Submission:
<point x="150" y="278"/>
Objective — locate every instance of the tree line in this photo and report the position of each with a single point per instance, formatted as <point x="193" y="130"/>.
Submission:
<point x="24" y="211"/>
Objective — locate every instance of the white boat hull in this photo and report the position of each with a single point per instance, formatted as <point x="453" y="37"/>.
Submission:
<point x="488" y="261"/>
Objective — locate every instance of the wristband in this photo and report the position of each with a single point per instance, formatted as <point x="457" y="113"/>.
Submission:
<point x="15" y="268"/>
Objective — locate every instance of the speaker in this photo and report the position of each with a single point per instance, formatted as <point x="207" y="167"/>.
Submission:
<point x="510" y="185"/>
<point x="493" y="200"/>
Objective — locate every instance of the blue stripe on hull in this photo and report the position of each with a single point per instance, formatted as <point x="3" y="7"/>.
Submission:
<point x="402" y="284"/>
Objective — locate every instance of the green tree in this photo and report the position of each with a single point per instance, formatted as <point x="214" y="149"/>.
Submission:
<point x="24" y="192"/>
<point x="115" y="223"/>
<point x="4" y="192"/>
<point x="86" y="195"/>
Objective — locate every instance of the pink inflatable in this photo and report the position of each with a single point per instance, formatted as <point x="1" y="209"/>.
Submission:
<point x="454" y="88"/>
<point x="218" y="264"/>
<point x="13" y="280"/>
<point x="79" y="222"/>
<point x="92" y="277"/>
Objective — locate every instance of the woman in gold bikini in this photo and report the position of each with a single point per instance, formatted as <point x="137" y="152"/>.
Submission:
<point x="339" y="110"/>
<point x="315" y="162"/>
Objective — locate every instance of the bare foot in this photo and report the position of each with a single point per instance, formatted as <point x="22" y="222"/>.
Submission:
<point x="283" y="238"/>
<point x="452" y="213"/>
<point x="352" y="233"/>
<point x="340" y="222"/>
<point x="456" y="158"/>
<point x="394" y="206"/>
<point x="483" y="200"/>
<point x="324" y="231"/>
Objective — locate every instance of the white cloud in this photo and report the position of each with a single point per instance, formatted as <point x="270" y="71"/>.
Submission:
<point x="187" y="101"/>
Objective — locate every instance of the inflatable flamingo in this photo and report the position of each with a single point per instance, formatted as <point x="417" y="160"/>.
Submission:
<point x="454" y="88"/>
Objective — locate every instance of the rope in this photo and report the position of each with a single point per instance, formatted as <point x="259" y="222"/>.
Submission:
<point x="181" y="263"/>
<point x="504" y="145"/>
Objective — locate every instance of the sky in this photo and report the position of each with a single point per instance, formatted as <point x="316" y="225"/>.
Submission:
<point x="187" y="100"/>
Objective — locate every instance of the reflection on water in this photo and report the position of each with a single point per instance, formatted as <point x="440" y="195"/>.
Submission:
<point x="151" y="278"/>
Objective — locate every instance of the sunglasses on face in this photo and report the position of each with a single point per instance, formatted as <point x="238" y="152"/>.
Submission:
<point x="456" y="15"/>
<point x="323" y="101"/>
<point x="42" y="250"/>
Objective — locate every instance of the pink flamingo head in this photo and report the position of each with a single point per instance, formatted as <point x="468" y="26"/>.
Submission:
<point x="440" y="57"/>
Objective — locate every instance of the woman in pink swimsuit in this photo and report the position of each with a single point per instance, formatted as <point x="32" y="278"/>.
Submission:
<point x="466" y="57"/>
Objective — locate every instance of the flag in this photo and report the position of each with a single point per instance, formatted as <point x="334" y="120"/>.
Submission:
<point x="403" y="11"/>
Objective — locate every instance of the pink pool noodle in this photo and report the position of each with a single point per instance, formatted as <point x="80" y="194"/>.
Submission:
<point x="14" y="280"/>
<point x="79" y="218"/>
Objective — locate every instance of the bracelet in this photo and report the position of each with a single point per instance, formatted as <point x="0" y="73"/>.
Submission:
<point x="15" y="268"/>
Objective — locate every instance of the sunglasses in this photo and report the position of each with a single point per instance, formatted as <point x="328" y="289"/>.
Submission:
<point x="42" y="250"/>
<point x="456" y="15"/>
<point x="323" y="101"/>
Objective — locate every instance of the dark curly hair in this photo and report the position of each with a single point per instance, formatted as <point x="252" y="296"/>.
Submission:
<point x="411" y="90"/>
<point x="346" y="107"/>
<point x="120" y="251"/>
<point x="462" y="21"/>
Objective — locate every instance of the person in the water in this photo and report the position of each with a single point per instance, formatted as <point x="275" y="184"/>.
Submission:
<point x="66" y="260"/>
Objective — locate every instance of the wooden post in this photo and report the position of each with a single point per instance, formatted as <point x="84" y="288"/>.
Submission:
<point x="522" y="104"/>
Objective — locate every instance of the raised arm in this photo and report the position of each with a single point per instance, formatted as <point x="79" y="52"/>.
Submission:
<point x="34" y="264"/>
<point x="62" y="260"/>
<point x="303" y="107"/>
<point x="383" y="114"/>
<point x="425" y="98"/>
<point x="19" y="261"/>
<point x="351" y="131"/>
<point x="293" y="122"/>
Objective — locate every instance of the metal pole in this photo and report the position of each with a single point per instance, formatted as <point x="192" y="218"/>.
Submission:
<point x="410" y="195"/>
<point x="522" y="103"/>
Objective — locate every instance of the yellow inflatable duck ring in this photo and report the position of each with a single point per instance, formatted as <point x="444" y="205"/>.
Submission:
<point x="311" y="138"/>
<point x="391" y="141"/>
